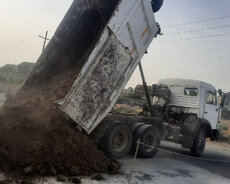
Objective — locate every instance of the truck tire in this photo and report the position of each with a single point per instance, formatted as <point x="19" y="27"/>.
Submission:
<point x="199" y="143"/>
<point x="117" y="141"/>
<point x="148" y="134"/>
<point x="135" y="126"/>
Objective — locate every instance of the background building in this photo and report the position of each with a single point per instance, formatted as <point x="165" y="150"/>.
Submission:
<point x="15" y="73"/>
<point x="12" y="76"/>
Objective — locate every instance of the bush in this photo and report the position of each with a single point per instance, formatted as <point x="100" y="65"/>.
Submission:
<point x="225" y="114"/>
<point x="133" y="95"/>
<point x="126" y="109"/>
<point x="224" y="130"/>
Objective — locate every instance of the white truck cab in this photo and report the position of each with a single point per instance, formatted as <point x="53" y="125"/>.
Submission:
<point x="189" y="109"/>
<point x="195" y="97"/>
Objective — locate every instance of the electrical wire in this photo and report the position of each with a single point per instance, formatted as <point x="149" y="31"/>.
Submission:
<point x="17" y="41"/>
<point x="19" y="49"/>
<point x="198" y="30"/>
<point x="197" y="37"/>
<point x="15" y="46"/>
<point x="198" y="21"/>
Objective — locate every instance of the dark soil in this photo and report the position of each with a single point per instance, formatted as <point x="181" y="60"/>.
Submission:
<point x="37" y="139"/>
<point x="97" y="177"/>
<point x="35" y="136"/>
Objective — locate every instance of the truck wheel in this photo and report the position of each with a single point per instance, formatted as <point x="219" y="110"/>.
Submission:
<point x="148" y="135"/>
<point x="135" y="126"/>
<point x="199" y="144"/>
<point x="117" y="141"/>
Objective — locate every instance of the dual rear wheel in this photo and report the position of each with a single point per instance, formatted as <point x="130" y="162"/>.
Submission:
<point x="117" y="141"/>
<point x="120" y="139"/>
<point x="149" y="141"/>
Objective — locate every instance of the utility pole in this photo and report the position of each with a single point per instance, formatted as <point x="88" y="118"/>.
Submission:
<point x="45" y="40"/>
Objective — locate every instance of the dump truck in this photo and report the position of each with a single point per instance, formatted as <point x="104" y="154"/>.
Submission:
<point x="104" y="41"/>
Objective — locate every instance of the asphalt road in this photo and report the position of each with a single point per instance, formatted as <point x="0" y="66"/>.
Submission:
<point x="177" y="168"/>
<point x="168" y="168"/>
<point x="214" y="157"/>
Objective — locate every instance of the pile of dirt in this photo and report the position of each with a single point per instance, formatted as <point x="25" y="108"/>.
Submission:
<point x="36" y="137"/>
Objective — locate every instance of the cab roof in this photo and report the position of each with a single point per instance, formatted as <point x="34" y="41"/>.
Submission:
<point x="185" y="83"/>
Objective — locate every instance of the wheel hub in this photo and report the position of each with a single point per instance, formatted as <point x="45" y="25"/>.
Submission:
<point x="119" y="141"/>
<point x="149" y="140"/>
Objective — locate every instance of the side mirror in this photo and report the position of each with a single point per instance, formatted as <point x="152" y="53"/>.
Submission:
<point x="222" y="101"/>
<point x="220" y="92"/>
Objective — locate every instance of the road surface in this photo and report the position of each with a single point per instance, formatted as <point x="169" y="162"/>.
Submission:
<point x="2" y="98"/>
<point x="167" y="168"/>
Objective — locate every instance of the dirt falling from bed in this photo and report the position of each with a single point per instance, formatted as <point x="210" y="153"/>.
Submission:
<point x="35" y="137"/>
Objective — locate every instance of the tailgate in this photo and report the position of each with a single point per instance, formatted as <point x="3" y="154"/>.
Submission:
<point x="111" y="64"/>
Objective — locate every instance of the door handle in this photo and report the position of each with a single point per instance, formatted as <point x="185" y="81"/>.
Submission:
<point x="205" y="112"/>
<point x="217" y="109"/>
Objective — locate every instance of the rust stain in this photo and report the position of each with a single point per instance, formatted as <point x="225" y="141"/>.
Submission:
<point x="133" y="50"/>
<point x="145" y="31"/>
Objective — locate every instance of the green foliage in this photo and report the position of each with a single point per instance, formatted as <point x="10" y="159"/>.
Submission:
<point x="133" y="96"/>
<point x="223" y="128"/>
<point x="224" y="132"/>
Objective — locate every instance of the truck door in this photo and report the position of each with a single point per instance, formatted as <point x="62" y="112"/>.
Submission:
<point x="211" y="110"/>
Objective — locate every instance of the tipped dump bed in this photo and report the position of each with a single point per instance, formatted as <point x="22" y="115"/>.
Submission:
<point x="105" y="40"/>
<point x="73" y="40"/>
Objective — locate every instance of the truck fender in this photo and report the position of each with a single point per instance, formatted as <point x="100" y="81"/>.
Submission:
<point x="204" y="124"/>
<point x="190" y="127"/>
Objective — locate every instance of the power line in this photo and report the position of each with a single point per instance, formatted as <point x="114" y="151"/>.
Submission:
<point x="197" y="37"/>
<point x="198" y="30"/>
<point x="15" y="46"/>
<point x="15" y="50"/>
<point x="198" y="21"/>
<point x="17" y="41"/>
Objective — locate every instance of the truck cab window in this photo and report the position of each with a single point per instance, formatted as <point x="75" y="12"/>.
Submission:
<point x="211" y="98"/>
<point x="191" y="91"/>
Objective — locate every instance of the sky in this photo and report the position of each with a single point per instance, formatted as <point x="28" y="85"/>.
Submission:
<point x="186" y="50"/>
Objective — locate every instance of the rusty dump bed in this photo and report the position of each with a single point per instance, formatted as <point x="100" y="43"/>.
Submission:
<point x="73" y="40"/>
<point x="103" y="40"/>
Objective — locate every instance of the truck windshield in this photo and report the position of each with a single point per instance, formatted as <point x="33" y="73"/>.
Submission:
<point x="191" y="91"/>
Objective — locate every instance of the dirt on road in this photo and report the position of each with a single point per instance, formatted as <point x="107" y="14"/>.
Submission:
<point x="36" y="138"/>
